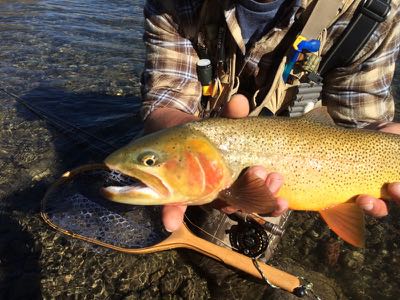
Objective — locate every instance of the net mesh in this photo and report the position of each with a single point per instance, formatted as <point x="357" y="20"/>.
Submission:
<point x="75" y="205"/>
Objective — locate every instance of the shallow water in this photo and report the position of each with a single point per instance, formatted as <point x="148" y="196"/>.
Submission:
<point x="79" y="64"/>
<point x="78" y="61"/>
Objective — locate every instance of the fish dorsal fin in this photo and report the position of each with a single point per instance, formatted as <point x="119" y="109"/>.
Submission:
<point x="347" y="221"/>
<point x="250" y="194"/>
<point x="320" y="115"/>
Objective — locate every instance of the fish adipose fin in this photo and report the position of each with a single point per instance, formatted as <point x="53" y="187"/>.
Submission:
<point x="250" y="194"/>
<point x="320" y="115"/>
<point x="347" y="221"/>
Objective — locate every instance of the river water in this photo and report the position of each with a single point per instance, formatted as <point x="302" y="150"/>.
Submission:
<point x="78" y="63"/>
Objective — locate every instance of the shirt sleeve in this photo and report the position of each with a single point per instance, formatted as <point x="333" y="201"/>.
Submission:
<point x="360" y="94"/>
<point x="169" y="78"/>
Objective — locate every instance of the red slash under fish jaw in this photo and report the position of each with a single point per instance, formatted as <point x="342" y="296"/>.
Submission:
<point x="195" y="173"/>
<point x="213" y="172"/>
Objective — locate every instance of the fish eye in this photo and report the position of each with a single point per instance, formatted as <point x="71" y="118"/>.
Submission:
<point x="148" y="159"/>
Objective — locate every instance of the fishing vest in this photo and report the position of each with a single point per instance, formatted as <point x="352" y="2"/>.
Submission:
<point x="296" y="83"/>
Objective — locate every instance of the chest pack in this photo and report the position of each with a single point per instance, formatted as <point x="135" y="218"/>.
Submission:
<point x="367" y="17"/>
<point x="298" y="83"/>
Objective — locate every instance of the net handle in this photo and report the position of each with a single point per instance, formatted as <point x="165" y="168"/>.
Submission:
<point x="182" y="238"/>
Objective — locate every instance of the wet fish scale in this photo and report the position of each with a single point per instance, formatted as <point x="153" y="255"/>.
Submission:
<point x="322" y="165"/>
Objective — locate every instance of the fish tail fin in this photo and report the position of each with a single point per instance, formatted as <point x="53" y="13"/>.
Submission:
<point x="249" y="194"/>
<point x="347" y="221"/>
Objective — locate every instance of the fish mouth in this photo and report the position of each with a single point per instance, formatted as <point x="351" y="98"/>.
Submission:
<point x="140" y="189"/>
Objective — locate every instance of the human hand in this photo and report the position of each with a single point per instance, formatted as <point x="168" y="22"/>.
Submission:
<point x="378" y="207"/>
<point x="172" y="215"/>
<point x="237" y="107"/>
<point x="273" y="182"/>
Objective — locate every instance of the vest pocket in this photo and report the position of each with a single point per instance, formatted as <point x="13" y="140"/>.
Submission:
<point x="279" y="96"/>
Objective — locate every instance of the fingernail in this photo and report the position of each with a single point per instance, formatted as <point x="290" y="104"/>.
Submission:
<point x="259" y="172"/>
<point x="172" y="228"/>
<point x="274" y="183"/>
<point x="366" y="205"/>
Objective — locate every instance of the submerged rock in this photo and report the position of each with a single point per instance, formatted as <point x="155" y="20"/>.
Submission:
<point x="353" y="260"/>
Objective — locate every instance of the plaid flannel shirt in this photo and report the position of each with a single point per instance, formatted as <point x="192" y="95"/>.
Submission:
<point x="356" y="95"/>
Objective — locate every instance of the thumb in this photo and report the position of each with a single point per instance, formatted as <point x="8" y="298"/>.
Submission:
<point x="172" y="216"/>
<point x="237" y="107"/>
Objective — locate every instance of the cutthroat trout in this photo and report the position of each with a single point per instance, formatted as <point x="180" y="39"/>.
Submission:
<point x="324" y="166"/>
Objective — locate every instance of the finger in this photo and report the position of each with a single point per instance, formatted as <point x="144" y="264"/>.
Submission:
<point x="274" y="182"/>
<point x="237" y="107"/>
<point x="372" y="206"/>
<point x="172" y="216"/>
<point x="281" y="207"/>
<point x="389" y="127"/>
<point x="258" y="171"/>
<point x="394" y="191"/>
<point x="229" y="210"/>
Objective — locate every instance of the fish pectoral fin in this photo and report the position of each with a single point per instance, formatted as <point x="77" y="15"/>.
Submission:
<point x="250" y="194"/>
<point x="347" y="221"/>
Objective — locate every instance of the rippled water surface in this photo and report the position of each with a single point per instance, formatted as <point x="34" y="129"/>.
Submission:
<point x="78" y="60"/>
<point x="78" y="64"/>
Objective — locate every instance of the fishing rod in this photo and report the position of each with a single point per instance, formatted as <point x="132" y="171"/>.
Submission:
<point x="65" y="126"/>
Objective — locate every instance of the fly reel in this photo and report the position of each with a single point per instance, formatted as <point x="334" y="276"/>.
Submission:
<point x="249" y="238"/>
